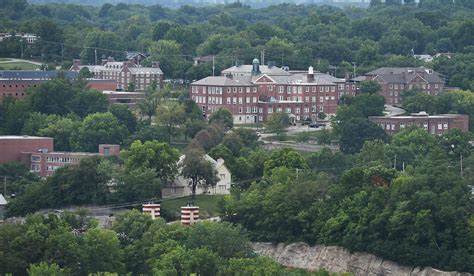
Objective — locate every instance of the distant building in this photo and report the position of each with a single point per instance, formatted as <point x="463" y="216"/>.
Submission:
<point x="425" y="58"/>
<point x="180" y="187"/>
<point x="37" y="153"/>
<point x="435" y="124"/>
<point x="202" y="60"/>
<point x="15" y="82"/>
<point x="394" y="80"/>
<point x="124" y="73"/>
<point x="124" y="98"/>
<point x="254" y="92"/>
<point x="28" y="38"/>
<point x="3" y="204"/>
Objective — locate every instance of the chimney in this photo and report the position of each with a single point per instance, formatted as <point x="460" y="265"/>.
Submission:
<point x="104" y="61"/>
<point x="271" y="64"/>
<point x="310" y="75"/>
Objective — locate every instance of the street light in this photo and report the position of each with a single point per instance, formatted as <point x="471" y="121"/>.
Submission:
<point x="460" y="160"/>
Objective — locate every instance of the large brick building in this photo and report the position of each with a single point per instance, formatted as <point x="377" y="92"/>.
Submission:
<point x="254" y="92"/>
<point x="14" y="83"/>
<point x="435" y="124"/>
<point x="394" y="80"/>
<point x="124" y="73"/>
<point x="37" y="153"/>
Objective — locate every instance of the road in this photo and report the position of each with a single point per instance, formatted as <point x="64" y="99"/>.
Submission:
<point x="391" y="111"/>
<point x="12" y="60"/>
<point x="297" y="146"/>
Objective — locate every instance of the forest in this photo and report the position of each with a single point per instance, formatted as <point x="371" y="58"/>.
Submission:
<point x="292" y="35"/>
<point x="406" y="197"/>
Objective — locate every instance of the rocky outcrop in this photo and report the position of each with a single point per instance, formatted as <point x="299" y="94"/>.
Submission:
<point x="337" y="259"/>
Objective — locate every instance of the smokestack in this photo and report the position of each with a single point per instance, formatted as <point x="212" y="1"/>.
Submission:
<point x="310" y="75"/>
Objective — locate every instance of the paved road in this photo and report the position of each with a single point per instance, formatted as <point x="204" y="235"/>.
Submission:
<point x="11" y="60"/>
<point x="297" y="146"/>
<point x="391" y="111"/>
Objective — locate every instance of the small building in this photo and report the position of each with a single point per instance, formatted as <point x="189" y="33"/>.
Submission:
<point x="180" y="187"/>
<point x="124" y="98"/>
<point x="202" y="60"/>
<point x="435" y="124"/>
<point x="3" y="204"/>
<point x="37" y="153"/>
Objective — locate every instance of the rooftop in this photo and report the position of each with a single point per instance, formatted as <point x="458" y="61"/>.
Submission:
<point x="32" y="74"/>
<point x="23" y="137"/>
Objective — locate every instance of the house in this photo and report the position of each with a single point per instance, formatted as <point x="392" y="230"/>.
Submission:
<point x="253" y="92"/>
<point x="3" y="204"/>
<point x="434" y="124"/>
<point x="124" y="73"/>
<point x="37" y="153"/>
<point x="28" y="38"/>
<point x="202" y="60"/>
<point x="180" y="187"/>
<point x="394" y="80"/>
<point x="136" y="57"/>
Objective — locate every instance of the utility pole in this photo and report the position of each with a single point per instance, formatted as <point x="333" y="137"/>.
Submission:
<point x="263" y="57"/>
<point x="395" y="162"/>
<point x="354" y="69"/>
<point x="4" y="185"/>
<point x="62" y="53"/>
<point x="21" y="44"/>
<point x="95" y="52"/>
<point x="213" y="66"/>
<point x="462" y="172"/>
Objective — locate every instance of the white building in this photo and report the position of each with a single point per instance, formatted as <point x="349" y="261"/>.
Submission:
<point x="181" y="186"/>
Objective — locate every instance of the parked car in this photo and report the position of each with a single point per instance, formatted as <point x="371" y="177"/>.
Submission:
<point x="317" y="125"/>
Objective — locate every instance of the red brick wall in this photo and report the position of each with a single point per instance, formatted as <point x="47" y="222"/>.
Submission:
<point x="11" y="149"/>
<point x="102" y="85"/>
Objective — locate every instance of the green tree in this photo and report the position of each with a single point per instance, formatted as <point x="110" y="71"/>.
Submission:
<point x="102" y="251"/>
<point x="356" y="131"/>
<point x="287" y="158"/>
<point x="277" y="123"/>
<point x="44" y="269"/>
<point x="99" y="128"/>
<point x="153" y="155"/>
<point x="198" y="169"/>
<point x="170" y="115"/>
<point x="125" y="116"/>
<point x="223" y="118"/>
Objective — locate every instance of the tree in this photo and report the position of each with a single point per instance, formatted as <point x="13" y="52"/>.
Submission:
<point x="356" y="131"/>
<point x="88" y="102"/>
<point x="287" y="158"/>
<point x="99" y="128"/>
<point x="370" y="87"/>
<point x="277" y="123"/>
<point x="54" y="96"/>
<point x="223" y="118"/>
<point x="102" y="251"/>
<point x="149" y="105"/>
<point x="62" y="130"/>
<point x="125" y="116"/>
<point x="198" y="169"/>
<point x="44" y="269"/>
<point x="170" y="115"/>
<point x="153" y="155"/>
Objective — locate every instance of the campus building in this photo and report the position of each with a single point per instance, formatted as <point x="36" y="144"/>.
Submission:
<point x="124" y="73"/>
<point x="37" y="153"/>
<point x="253" y="92"/>
<point x="435" y="124"/>
<point x="394" y="80"/>
<point x="14" y="83"/>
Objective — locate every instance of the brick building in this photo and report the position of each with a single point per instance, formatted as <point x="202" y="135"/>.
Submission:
<point x="126" y="98"/>
<point x="15" y="82"/>
<point x="37" y="153"/>
<point x="435" y="124"/>
<point x="124" y="73"/>
<point x="394" y="80"/>
<point x="254" y="92"/>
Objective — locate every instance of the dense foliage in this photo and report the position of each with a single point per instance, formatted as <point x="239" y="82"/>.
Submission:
<point x="405" y="201"/>
<point x="292" y="35"/>
<point x="71" y="243"/>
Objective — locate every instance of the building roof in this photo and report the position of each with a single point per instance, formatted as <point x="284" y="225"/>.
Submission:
<point x="22" y="137"/>
<point x="222" y="81"/>
<point x="264" y="69"/>
<point x="421" y="115"/>
<point x="145" y="70"/>
<point x="3" y="201"/>
<point x="32" y="74"/>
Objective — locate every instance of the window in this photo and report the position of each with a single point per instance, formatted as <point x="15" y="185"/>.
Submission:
<point x="234" y="89"/>
<point x="240" y="110"/>
<point x="254" y="99"/>
<point x="240" y="100"/>
<point x="278" y="109"/>
<point x="255" y="90"/>
<point x="228" y="89"/>
<point x="35" y="158"/>
<point x="321" y="89"/>
<point x="321" y="99"/>
<point x="436" y="85"/>
<point x="260" y="110"/>
<point x="298" y="110"/>
<point x="333" y="89"/>
<point x="402" y="125"/>
<point x="234" y="100"/>
<point x="221" y="176"/>
<point x="35" y="167"/>
<point x="300" y="89"/>
<point x="445" y="126"/>
<point x="270" y="110"/>
<point x="306" y="110"/>
<point x="306" y="99"/>
<point x="440" y="126"/>
<point x="247" y="99"/>
<point x="281" y="98"/>
<point x="247" y="89"/>
<point x="288" y="110"/>
<point x="248" y="110"/>
<point x="228" y="100"/>
<point x="254" y="109"/>
<point x="313" y="99"/>
<point x="107" y="151"/>
<point x="326" y="88"/>
<point x="306" y="89"/>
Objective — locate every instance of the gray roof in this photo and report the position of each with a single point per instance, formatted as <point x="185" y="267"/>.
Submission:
<point x="222" y="81"/>
<point x="319" y="79"/>
<point x="31" y="74"/>
<point x="143" y="70"/>
<point x="3" y="201"/>
<point x="406" y="74"/>
<point x="264" y="69"/>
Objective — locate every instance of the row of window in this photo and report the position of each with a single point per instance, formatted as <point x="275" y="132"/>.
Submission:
<point x="67" y="160"/>
<point x="4" y="94"/>
<point x="16" y="85"/>
<point x="240" y="100"/>
<point x="296" y="109"/>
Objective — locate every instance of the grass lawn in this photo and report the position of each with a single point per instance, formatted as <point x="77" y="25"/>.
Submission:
<point x="18" y="66"/>
<point x="207" y="205"/>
